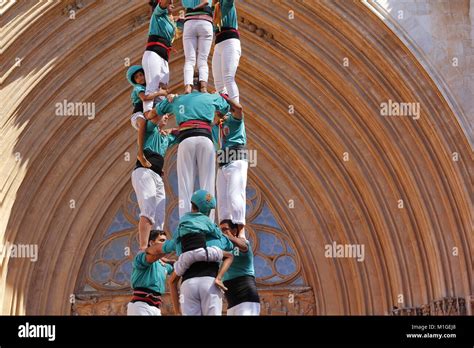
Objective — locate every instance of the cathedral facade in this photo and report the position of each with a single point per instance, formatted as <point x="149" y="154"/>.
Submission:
<point x="351" y="209"/>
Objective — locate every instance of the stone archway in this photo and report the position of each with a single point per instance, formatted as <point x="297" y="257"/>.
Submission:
<point x="315" y="123"/>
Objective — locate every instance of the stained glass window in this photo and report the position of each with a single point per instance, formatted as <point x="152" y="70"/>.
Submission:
<point x="110" y="264"/>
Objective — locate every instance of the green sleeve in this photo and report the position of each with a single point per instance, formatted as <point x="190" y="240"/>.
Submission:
<point x="226" y="7"/>
<point x="226" y="244"/>
<point x="160" y="11"/>
<point x="140" y="261"/>
<point x="172" y="140"/>
<point x="235" y="120"/>
<point x="221" y="104"/>
<point x="169" y="246"/>
<point x="169" y="268"/>
<point x="163" y="107"/>
<point x="139" y="89"/>
<point x="215" y="231"/>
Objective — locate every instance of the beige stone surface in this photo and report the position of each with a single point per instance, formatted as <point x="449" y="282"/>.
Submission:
<point x="344" y="166"/>
<point x="441" y="35"/>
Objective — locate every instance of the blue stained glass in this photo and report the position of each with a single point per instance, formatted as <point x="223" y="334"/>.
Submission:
<point x="115" y="250"/>
<point x="266" y="218"/>
<point x="269" y="244"/>
<point x="173" y="180"/>
<point x="285" y="265"/>
<point x="134" y="210"/>
<point x="100" y="272"/>
<point x="298" y="281"/>
<point x="173" y="219"/>
<point x="262" y="267"/>
<point x="120" y="223"/>
<point x="172" y="159"/>
<point x="251" y="192"/>
<point x="134" y="244"/>
<point x="251" y="241"/>
<point x="274" y="279"/>
<point x="120" y="277"/>
<point x="133" y="196"/>
<point x="289" y="249"/>
<point x="127" y="268"/>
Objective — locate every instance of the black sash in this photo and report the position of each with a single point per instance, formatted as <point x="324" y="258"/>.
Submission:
<point x="241" y="289"/>
<point x="198" y="269"/>
<point x="138" y="107"/>
<point x="227" y="33"/>
<point x="151" y="297"/>
<point x="195" y="132"/>
<point x="159" y="50"/>
<point x="191" y="11"/>
<point x="157" y="161"/>
<point x="231" y="153"/>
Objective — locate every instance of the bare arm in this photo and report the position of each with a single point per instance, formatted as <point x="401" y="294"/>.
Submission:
<point x="152" y="96"/>
<point x="140" y="140"/>
<point x="152" y="115"/>
<point x="174" y="280"/>
<point x="236" y="109"/>
<point x="238" y="242"/>
<point x="154" y="253"/>
<point x="228" y="258"/>
<point x="163" y="3"/>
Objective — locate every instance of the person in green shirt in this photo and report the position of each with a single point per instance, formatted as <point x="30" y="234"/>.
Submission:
<point x="148" y="279"/>
<point x="201" y="286"/>
<point x="242" y="294"/>
<point x="227" y="50"/>
<point x="147" y="181"/>
<point x="136" y="77"/>
<point x="161" y="34"/>
<point x="194" y="114"/>
<point x="197" y="41"/>
<point x="230" y="137"/>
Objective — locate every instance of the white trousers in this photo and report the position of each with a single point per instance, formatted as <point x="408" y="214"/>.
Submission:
<point x="225" y="61"/>
<point x="151" y="197"/>
<point x="231" y="194"/>
<point x="134" y="119"/>
<point x="197" y="42"/>
<point x="200" y="296"/>
<point x="156" y="71"/>
<point x="196" y="157"/>
<point x="245" y="308"/>
<point x="186" y="259"/>
<point x="142" y="308"/>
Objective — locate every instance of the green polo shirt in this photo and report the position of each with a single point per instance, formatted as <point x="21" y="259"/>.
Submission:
<point x="197" y="223"/>
<point x="194" y="106"/>
<point x="149" y="275"/>
<point x="242" y="264"/>
<point x="162" y="25"/>
<point x="157" y="142"/>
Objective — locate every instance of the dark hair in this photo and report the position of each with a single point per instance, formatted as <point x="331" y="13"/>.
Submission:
<point x="155" y="234"/>
<point x="153" y="4"/>
<point x="136" y="72"/>
<point x="194" y="206"/>
<point x="230" y="223"/>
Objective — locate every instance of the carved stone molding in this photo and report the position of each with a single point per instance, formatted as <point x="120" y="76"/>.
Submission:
<point x="298" y="301"/>
<point x="5" y="5"/>
<point x="254" y="28"/>
<point x="75" y="6"/>
<point x="445" y="306"/>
